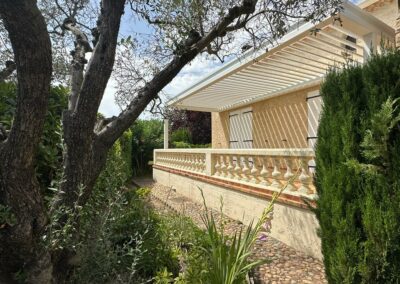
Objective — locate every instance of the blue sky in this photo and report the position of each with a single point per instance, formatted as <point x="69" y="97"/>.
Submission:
<point x="192" y="73"/>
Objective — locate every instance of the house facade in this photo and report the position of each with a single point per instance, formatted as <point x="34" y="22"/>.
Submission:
<point x="265" y="110"/>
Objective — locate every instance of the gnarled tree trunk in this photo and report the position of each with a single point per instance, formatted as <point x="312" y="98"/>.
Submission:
<point x="20" y="234"/>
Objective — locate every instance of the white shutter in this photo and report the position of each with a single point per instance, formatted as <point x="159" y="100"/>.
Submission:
<point x="247" y="132"/>
<point x="234" y="134"/>
<point x="241" y="129"/>
<point x="314" y="107"/>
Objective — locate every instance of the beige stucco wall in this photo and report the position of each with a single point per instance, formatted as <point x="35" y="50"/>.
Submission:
<point x="220" y="130"/>
<point x="294" y="226"/>
<point x="279" y="122"/>
<point x="384" y="10"/>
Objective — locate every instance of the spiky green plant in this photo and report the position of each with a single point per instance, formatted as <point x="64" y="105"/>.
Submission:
<point x="229" y="256"/>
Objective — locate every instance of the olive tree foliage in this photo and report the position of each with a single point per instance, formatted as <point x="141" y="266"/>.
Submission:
<point x="78" y="41"/>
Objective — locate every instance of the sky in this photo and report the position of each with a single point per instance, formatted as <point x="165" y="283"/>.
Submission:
<point x="192" y="73"/>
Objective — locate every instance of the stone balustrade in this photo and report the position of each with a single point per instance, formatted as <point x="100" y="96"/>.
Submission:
<point x="192" y="161"/>
<point x="262" y="168"/>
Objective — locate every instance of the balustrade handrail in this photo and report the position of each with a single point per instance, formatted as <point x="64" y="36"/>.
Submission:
<point x="304" y="152"/>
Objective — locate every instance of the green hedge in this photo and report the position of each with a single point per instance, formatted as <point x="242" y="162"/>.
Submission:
<point x="181" y="144"/>
<point x="358" y="172"/>
<point x="49" y="155"/>
<point x="147" y="136"/>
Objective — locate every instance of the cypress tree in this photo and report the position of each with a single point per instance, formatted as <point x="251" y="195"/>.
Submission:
<point x="358" y="172"/>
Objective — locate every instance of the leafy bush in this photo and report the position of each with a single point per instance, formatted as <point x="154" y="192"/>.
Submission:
<point x="49" y="154"/>
<point x="121" y="238"/>
<point x="198" y="123"/>
<point x="181" y="135"/>
<point x="178" y="144"/>
<point x="147" y="135"/>
<point x="358" y="172"/>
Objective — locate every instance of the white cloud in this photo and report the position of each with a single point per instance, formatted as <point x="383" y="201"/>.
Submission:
<point x="190" y="74"/>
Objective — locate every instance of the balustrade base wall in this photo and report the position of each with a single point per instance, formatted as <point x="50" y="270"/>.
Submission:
<point x="293" y="224"/>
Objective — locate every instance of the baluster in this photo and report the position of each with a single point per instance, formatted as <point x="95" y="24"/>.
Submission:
<point x="189" y="162"/>
<point x="181" y="160"/>
<point x="223" y="167"/>
<point x="264" y="172"/>
<point x="230" y="168"/>
<point x="197" y="164"/>
<point x="275" y="173"/>
<point x="217" y="166"/>
<point x="174" y="160"/>
<point x="254" y="171"/>
<point x="289" y="175"/>
<point x="203" y="165"/>
<point x="237" y="168"/>
<point x="245" y="170"/>
<point x="193" y="162"/>
<point x="304" y="177"/>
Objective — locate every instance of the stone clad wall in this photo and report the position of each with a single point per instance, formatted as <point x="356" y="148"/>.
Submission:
<point x="279" y="122"/>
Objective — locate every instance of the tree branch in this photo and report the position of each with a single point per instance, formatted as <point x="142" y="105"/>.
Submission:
<point x="82" y="46"/>
<point x="194" y="45"/>
<point x="101" y="63"/>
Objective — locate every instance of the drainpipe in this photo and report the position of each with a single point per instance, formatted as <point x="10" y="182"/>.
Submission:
<point x="166" y="133"/>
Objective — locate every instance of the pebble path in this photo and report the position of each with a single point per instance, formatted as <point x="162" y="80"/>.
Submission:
<point x="285" y="264"/>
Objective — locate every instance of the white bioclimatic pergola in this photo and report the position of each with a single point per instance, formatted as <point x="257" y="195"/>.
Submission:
<point x="300" y="59"/>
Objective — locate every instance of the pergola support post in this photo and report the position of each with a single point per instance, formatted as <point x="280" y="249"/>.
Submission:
<point x="166" y="133"/>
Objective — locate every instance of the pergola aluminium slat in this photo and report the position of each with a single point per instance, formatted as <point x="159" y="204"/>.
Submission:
<point x="270" y="75"/>
<point x="286" y="58"/>
<point x="261" y="82"/>
<point x="340" y="40"/>
<point x="288" y="66"/>
<point x="279" y="70"/>
<point x="331" y="45"/>
<point x="318" y="60"/>
<point x="315" y="56"/>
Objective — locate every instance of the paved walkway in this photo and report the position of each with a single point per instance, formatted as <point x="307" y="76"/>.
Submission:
<point x="286" y="264"/>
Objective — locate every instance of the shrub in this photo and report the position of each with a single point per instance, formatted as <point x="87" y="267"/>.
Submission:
<point x="121" y="239"/>
<point x="358" y="172"/>
<point x="181" y="135"/>
<point x="49" y="155"/>
<point x="187" y="145"/>
<point x="147" y="135"/>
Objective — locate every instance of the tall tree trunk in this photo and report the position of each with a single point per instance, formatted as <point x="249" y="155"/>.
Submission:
<point x="21" y="233"/>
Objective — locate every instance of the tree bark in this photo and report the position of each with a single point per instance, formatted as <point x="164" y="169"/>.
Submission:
<point x="19" y="190"/>
<point x="81" y="164"/>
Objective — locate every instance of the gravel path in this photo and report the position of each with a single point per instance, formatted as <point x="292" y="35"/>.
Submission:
<point x="286" y="265"/>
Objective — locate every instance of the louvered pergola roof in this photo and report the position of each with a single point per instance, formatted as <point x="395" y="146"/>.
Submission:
<point x="300" y="59"/>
